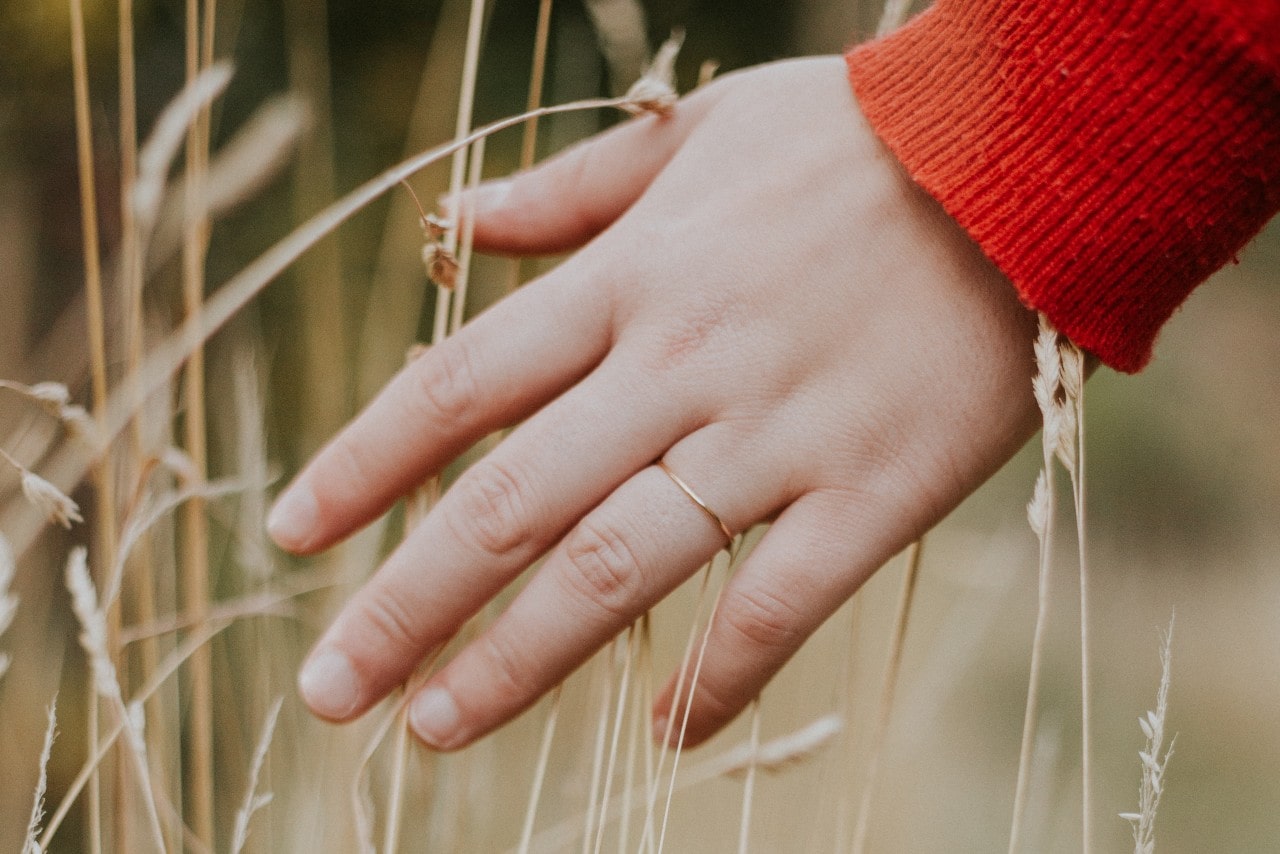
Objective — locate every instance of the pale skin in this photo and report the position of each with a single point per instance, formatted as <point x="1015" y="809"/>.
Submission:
<point x="764" y="300"/>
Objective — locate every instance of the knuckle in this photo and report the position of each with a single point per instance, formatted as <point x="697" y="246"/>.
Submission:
<point x="392" y="624"/>
<point x="602" y="567"/>
<point x="492" y="510"/>
<point x="446" y="382"/>
<point x="715" y="701"/>
<point x="350" y="470"/>
<point x="763" y="620"/>
<point x="505" y="664"/>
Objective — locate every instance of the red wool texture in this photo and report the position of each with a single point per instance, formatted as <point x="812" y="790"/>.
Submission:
<point x="1106" y="155"/>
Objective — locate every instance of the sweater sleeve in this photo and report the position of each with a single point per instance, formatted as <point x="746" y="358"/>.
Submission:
<point x="1107" y="156"/>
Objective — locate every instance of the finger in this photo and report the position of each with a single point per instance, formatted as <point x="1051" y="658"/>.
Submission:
<point x="616" y="564"/>
<point x="572" y="197"/>
<point x="497" y="370"/>
<point x="493" y="523"/>
<point x="799" y="574"/>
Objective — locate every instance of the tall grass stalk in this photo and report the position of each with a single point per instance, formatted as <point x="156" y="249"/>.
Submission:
<point x="319" y="278"/>
<point x="466" y="238"/>
<point x="749" y="786"/>
<point x="627" y="651"/>
<point x="195" y="525"/>
<point x="669" y="719"/>
<point x="1073" y="376"/>
<point x="8" y="601"/>
<point x="636" y="731"/>
<point x="773" y="756"/>
<point x="730" y="556"/>
<point x="200" y="636"/>
<point x="537" y="73"/>
<point x="103" y="475"/>
<point x="1058" y="387"/>
<point x="142" y="577"/>
<point x="888" y="685"/>
<point x="606" y="665"/>
<point x="540" y="769"/>
<point x="458" y="166"/>
<point x="94" y="639"/>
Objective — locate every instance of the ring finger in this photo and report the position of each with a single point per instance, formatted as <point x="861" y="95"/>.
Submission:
<point x="620" y="560"/>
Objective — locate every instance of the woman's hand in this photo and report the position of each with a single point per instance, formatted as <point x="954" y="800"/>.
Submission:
<point x="766" y="302"/>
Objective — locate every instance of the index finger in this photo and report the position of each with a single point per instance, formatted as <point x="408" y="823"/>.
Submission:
<point x="504" y="365"/>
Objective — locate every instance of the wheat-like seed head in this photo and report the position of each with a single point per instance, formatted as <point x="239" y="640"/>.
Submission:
<point x="44" y="496"/>
<point x="655" y="91"/>
<point x="93" y="623"/>
<point x="31" y="844"/>
<point x="1154" y="762"/>
<point x="1038" y="509"/>
<point x="253" y="801"/>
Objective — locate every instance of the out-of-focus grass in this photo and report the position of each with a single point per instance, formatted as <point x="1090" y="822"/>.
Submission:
<point x="1184" y="473"/>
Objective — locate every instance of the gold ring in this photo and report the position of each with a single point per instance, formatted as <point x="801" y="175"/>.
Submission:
<point x="693" y="496"/>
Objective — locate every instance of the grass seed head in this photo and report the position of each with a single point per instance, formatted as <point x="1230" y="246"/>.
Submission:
<point x="655" y="91"/>
<point x="56" y="506"/>
<point x="442" y="266"/>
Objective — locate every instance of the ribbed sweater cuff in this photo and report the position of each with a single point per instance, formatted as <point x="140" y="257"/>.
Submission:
<point x="1107" y="156"/>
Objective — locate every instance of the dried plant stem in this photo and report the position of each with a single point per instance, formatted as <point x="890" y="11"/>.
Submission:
<point x="458" y="166"/>
<point x="688" y="705"/>
<point x="772" y="756"/>
<point x="320" y="276"/>
<point x="467" y="238"/>
<point x="540" y="769"/>
<point x="529" y="141"/>
<point x="1086" y="707"/>
<point x="847" y="756"/>
<point x="98" y="751"/>
<point x="167" y="356"/>
<point x="639" y="718"/>
<point x="1058" y="387"/>
<point x="253" y="801"/>
<point x="131" y="277"/>
<point x="888" y="685"/>
<point x="1031" y="713"/>
<point x="97" y="350"/>
<point x="650" y="765"/>
<point x="195" y="526"/>
<point x="655" y="777"/>
<point x="627" y="651"/>
<point x="30" y="845"/>
<point x="749" y="785"/>
<point x="607" y="664"/>
<point x="395" y="798"/>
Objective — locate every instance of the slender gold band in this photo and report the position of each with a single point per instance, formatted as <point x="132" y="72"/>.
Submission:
<point x="693" y="496"/>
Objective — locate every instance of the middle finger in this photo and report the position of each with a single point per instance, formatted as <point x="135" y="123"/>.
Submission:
<point x="492" y="524"/>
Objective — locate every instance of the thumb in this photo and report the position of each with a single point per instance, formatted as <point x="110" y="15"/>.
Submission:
<point x="564" y="202"/>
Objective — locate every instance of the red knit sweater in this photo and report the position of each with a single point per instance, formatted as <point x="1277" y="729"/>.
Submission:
<point x="1108" y="155"/>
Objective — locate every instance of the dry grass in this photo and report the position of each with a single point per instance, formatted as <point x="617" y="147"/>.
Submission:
<point x="586" y="772"/>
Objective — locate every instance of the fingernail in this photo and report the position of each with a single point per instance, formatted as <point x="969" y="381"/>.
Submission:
<point x="486" y="198"/>
<point x="329" y="685"/>
<point x="435" y="717"/>
<point x="293" y="518"/>
<point x="492" y="196"/>
<point x="660" y="730"/>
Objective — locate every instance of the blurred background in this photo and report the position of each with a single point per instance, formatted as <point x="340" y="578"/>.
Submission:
<point x="1183" y="471"/>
